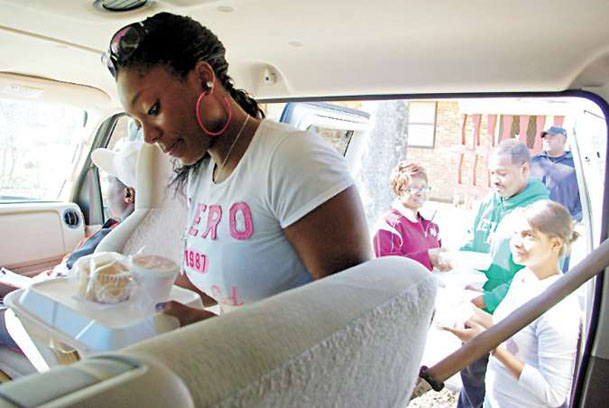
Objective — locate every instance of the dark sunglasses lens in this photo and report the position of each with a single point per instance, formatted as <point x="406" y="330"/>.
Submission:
<point x="125" y="42"/>
<point x="116" y="40"/>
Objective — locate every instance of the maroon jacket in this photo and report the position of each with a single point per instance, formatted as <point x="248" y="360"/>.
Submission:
<point x="397" y="235"/>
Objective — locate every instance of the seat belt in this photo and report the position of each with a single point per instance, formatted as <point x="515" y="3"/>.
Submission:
<point x="483" y="343"/>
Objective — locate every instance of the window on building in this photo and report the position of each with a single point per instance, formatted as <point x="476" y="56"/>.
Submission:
<point x="421" y="127"/>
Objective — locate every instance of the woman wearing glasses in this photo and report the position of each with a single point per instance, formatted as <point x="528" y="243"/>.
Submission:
<point x="270" y="207"/>
<point x="402" y="230"/>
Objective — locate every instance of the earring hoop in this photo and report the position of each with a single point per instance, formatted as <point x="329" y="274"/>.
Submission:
<point x="200" y="122"/>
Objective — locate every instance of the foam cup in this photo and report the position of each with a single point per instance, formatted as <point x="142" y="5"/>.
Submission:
<point x="155" y="275"/>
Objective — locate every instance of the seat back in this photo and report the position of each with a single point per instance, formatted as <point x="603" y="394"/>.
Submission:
<point x="159" y="219"/>
<point x="354" y="339"/>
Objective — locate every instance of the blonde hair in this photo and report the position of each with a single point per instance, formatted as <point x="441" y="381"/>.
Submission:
<point x="553" y="219"/>
<point x="402" y="175"/>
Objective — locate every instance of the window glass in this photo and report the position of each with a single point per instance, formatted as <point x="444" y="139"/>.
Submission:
<point x="38" y="146"/>
<point x="421" y="128"/>
<point x="337" y="138"/>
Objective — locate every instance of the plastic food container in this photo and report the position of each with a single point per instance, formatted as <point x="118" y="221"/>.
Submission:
<point x="103" y="278"/>
<point x="52" y="308"/>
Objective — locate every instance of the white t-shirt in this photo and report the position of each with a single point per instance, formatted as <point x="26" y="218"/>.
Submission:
<point x="547" y="346"/>
<point x="236" y="250"/>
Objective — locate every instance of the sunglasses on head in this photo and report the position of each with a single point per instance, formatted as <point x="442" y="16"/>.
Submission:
<point x="122" y="45"/>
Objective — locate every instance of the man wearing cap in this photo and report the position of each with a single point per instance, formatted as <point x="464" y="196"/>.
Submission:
<point x="555" y="168"/>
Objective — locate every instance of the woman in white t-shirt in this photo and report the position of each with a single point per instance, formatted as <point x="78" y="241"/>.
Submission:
<point x="534" y="367"/>
<point x="270" y="207"/>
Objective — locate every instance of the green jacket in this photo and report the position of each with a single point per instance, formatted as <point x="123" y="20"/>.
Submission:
<point x="488" y="238"/>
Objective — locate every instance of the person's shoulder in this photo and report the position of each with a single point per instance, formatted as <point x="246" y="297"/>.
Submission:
<point x="278" y="131"/>
<point x="568" y="156"/>
<point x="535" y="190"/>
<point x="391" y="217"/>
<point x="274" y="136"/>
<point x="538" y="160"/>
<point x="539" y="156"/>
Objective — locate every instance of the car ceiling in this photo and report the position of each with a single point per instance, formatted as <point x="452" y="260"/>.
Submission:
<point x="337" y="48"/>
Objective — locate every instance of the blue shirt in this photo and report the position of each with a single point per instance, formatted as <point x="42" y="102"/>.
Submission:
<point x="558" y="175"/>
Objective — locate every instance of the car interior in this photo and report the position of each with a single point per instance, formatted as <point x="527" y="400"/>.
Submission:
<point x="438" y="83"/>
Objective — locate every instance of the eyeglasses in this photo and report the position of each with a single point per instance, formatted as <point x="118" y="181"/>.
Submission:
<point x="414" y="190"/>
<point x="122" y="45"/>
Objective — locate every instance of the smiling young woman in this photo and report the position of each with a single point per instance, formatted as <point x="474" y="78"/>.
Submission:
<point x="270" y="207"/>
<point x="534" y="367"/>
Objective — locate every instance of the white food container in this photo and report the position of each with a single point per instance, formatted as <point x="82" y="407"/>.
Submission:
<point x="50" y="307"/>
<point x="468" y="260"/>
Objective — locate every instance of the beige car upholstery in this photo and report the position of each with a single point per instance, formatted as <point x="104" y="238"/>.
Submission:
<point x="157" y="224"/>
<point x="35" y="235"/>
<point x="354" y="339"/>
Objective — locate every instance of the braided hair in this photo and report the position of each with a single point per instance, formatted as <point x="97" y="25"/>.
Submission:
<point x="179" y="43"/>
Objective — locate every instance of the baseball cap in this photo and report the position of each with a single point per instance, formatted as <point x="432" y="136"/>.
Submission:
<point x="120" y="162"/>
<point x="554" y="130"/>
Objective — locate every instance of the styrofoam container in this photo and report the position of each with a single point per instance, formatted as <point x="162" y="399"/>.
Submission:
<point x="155" y="275"/>
<point x="51" y="307"/>
<point x="468" y="259"/>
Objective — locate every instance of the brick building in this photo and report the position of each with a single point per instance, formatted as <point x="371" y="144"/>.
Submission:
<point x="465" y="131"/>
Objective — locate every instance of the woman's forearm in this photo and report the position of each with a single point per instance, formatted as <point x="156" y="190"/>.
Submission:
<point x="511" y="362"/>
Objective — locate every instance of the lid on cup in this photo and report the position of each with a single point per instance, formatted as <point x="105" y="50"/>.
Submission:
<point x="154" y="263"/>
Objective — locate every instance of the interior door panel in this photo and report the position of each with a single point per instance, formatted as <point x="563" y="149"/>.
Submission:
<point x="36" y="236"/>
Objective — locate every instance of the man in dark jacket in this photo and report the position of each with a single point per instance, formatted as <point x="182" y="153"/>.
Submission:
<point x="556" y="170"/>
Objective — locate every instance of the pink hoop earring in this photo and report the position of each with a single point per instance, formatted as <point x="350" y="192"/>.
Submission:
<point x="202" y="126"/>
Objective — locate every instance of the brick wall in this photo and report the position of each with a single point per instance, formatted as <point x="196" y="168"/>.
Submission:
<point x="441" y="162"/>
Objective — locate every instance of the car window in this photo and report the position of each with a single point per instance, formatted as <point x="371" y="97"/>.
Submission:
<point x="39" y="143"/>
<point x="338" y="138"/>
<point x="337" y="127"/>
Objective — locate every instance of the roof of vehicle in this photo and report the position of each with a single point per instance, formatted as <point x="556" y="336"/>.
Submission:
<point x="341" y="47"/>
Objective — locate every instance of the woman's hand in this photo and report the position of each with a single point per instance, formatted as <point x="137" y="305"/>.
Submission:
<point x="478" y="301"/>
<point x="471" y="330"/>
<point x="185" y="314"/>
<point x="438" y="261"/>
<point x="482" y="318"/>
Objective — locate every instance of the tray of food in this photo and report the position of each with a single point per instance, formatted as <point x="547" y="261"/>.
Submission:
<point x="106" y="304"/>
